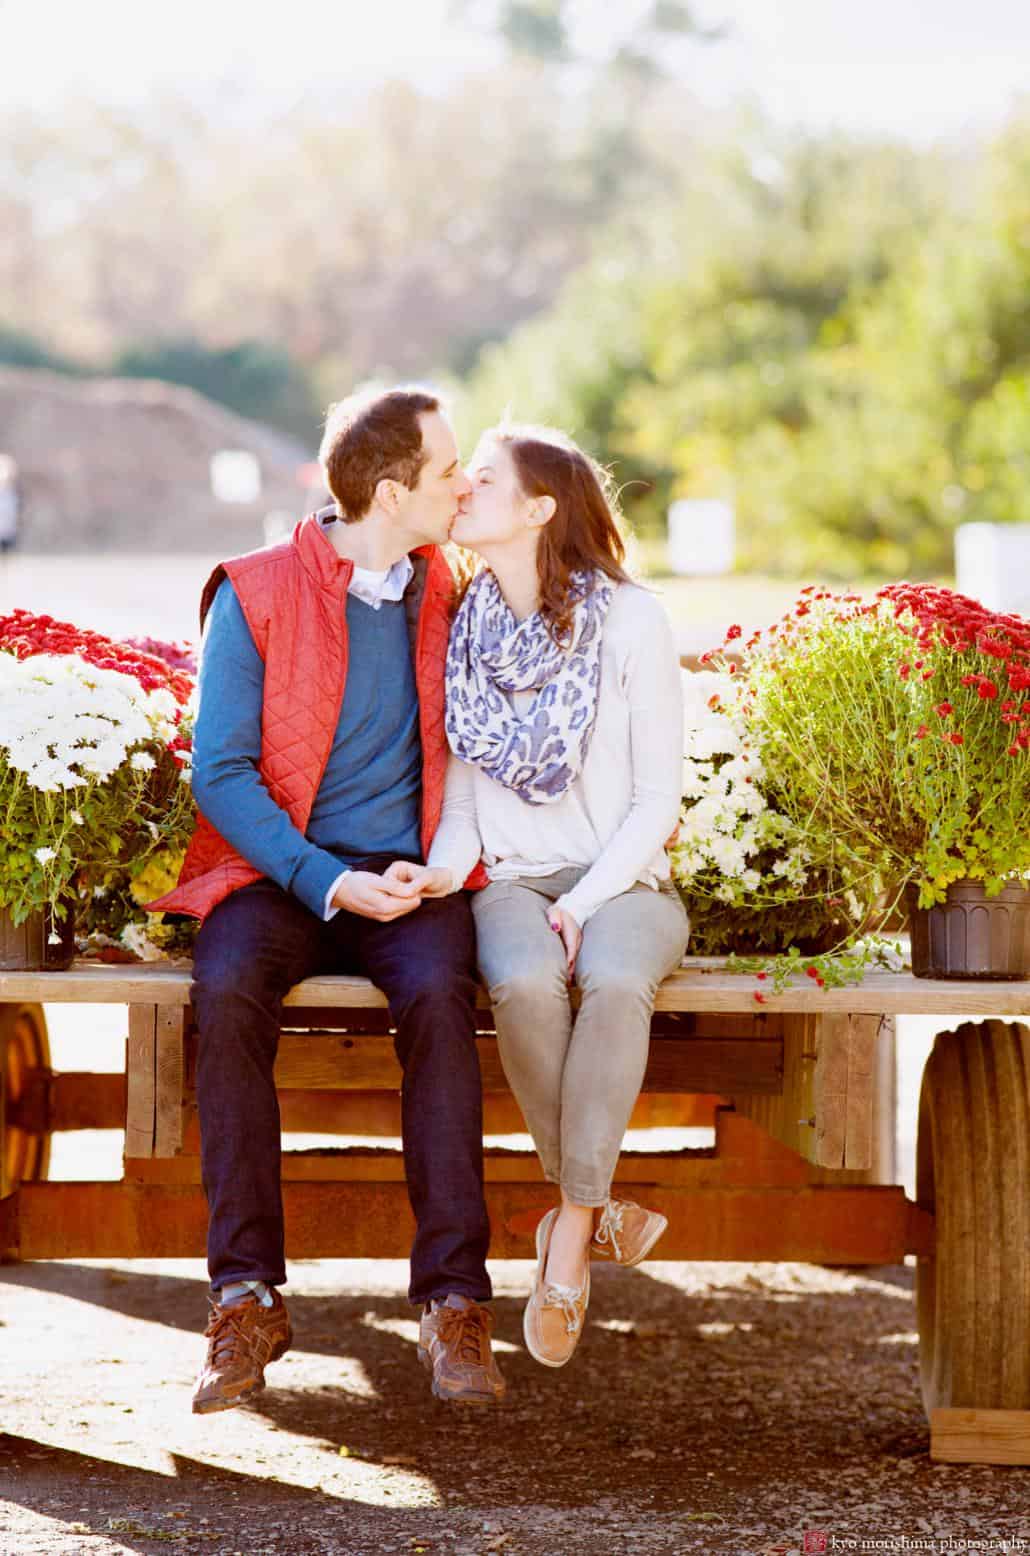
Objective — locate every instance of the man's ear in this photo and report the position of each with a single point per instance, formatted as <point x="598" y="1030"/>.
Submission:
<point x="543" y="509"/>
<point x="388" y="495"/>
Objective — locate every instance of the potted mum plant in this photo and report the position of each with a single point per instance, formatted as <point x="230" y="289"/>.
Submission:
<point x="741" y="865"/>
<point x="94" y="782"/>
<point x="898" y="731"/>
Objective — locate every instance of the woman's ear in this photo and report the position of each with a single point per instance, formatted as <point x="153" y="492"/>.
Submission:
<point x="542" y="510"/>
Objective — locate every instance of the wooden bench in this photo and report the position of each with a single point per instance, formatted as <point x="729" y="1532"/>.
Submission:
<point x="798" y="1092"/>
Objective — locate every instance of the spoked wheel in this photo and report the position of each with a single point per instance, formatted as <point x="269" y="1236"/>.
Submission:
<point x="973" y="1172"/>
<point x="24" y="1141"/>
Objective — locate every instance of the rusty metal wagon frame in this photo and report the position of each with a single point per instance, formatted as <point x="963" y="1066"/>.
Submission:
<point x="799" y="1094"/>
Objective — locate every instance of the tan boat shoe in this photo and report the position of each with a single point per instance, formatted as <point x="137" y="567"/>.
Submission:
<point x="555" y="1314"/>
<point x="454" y="1343"/>
<point x="243" y="1337"/>
<point x="626" y="1232"/>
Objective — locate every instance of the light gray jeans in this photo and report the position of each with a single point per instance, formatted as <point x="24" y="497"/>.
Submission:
<point x="576" y="1075"/>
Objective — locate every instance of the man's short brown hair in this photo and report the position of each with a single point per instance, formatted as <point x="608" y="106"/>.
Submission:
<point x="373" y="437"/>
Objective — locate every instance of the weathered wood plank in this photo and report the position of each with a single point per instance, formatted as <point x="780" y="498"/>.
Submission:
<point x="832" y="1108"/>
<point x="361" y="1165"/>
<point x="379" y="1113"/>
<point x="980" y="1436"/>
<point x="140" y="1061"/>
<point x="10" y="1225"/>
<point x="789" y="1115"/>
<point x="169" y="1066"/>
<point x="82" y="1099"/>
<point x="78" y="1100"/>
<point x="701" y="984"/>
<point x="861" y="1097"/>
<point x="331" y="1061"/>
<point x="831" y="1039"/>
<point x="373" y="1220"/>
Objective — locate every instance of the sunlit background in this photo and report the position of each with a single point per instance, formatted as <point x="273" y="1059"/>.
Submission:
<point x="772" y="255"/>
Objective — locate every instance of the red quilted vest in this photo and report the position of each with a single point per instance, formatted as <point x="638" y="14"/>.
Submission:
<point x="294" y="599"/>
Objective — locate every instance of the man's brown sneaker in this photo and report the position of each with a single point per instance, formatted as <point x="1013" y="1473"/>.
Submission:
<point x="552" y="1323"/>
<point x="243" y="1337"/>
<point x="626" y="1232"/>
<point x="454" y="1342"/>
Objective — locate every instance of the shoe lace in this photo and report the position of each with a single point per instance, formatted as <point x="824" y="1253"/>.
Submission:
<point x="225" y="1333"/>
<point x="566" y="1298"/>
<point x="464" y="1328"/>
<point x="609" y="1227"/>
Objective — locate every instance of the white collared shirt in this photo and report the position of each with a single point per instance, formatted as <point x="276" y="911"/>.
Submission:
<point x="375" y="587"/>
<point x="367" y="583"/>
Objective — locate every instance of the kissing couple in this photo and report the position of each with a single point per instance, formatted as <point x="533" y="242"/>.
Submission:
<point x="431" y="786"/>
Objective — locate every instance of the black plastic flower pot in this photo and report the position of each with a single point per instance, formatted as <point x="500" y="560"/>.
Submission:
<point x="27" y="947"/>
<point x="971" y="935"/>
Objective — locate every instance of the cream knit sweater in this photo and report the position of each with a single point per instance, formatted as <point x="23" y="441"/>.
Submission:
<point x="617" y="814"/>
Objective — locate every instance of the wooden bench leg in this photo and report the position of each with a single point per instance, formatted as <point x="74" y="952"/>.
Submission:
<point x="837" y="1088"/>
<point x="155" y="1066"/>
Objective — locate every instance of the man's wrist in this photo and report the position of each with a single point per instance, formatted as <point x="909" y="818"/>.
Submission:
<point x="331" y="908"/>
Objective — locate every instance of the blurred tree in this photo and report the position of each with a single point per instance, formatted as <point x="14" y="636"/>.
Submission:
<point x="635" y="39"/>
<point x="20" y="350"/>
<point x="254" y="379"/>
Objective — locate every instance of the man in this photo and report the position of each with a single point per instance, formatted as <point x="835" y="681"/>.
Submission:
<point x="319" y="758"/>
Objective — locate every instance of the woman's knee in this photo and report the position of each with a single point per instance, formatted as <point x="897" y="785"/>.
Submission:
<point x="619" y="987"/>
<point x="533" y="991"/>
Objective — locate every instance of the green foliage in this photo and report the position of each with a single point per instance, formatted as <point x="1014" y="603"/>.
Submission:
<point x="835" y="969"/>
<point x="19" y="349"/>
<point x="535" y="29"/>
<point x="832" y="334"/>
<point x="253" y="378"/>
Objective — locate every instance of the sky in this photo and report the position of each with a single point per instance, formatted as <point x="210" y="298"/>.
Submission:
<point x="918" y="68"/>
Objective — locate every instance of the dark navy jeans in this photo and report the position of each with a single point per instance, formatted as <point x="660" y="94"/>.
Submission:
<point x="250" y="951"/>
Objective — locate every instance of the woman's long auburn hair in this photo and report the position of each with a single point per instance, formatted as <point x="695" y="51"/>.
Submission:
<point x="583" y="532"/>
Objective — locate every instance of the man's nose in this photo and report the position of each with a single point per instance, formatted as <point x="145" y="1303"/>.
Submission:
<point x="464" y="486"/>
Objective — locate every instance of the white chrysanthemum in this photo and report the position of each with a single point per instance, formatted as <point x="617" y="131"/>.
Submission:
<point x="44" y="855"/>
<point x="65" y="721"/>
<point x="713" y="736"/>
<point x="142" y="761"/>
<point x="134" y="937"/>
<point x="162" y="704"/>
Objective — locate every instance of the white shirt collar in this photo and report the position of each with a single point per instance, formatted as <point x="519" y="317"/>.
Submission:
<point x="375" y="587"/>
<point x="369" y="584"/>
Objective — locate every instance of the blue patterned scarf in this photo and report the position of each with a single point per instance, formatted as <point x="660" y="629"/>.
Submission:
<point x="491" y="655"/>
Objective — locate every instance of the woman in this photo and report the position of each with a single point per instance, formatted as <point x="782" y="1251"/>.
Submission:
<point x="565" y="722"/>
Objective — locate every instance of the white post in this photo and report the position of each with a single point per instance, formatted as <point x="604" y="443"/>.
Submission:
<point x="701" y="536"/>
<point x="992" y="565"/>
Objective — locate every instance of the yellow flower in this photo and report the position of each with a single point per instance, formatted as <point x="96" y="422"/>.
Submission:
<point x="158" y="876"/>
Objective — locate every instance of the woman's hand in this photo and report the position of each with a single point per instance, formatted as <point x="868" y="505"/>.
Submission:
<point x="427" y="882"/>
<point x="563" y="923"/>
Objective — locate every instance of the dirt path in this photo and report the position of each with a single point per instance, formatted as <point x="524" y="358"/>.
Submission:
<point x="711" y="1408"/>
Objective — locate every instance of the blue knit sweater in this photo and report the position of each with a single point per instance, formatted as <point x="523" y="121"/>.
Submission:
<point x="369" y="800"/>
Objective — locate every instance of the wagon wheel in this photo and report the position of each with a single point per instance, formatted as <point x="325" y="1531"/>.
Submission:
<point x="973" y="1172"/>
<point x="24" y="1139"/>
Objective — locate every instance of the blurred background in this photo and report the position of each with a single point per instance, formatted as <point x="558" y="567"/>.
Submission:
<point x="774" y="258"/>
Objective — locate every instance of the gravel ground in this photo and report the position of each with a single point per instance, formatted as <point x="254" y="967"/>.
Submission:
<point x="712" y="1408"/>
